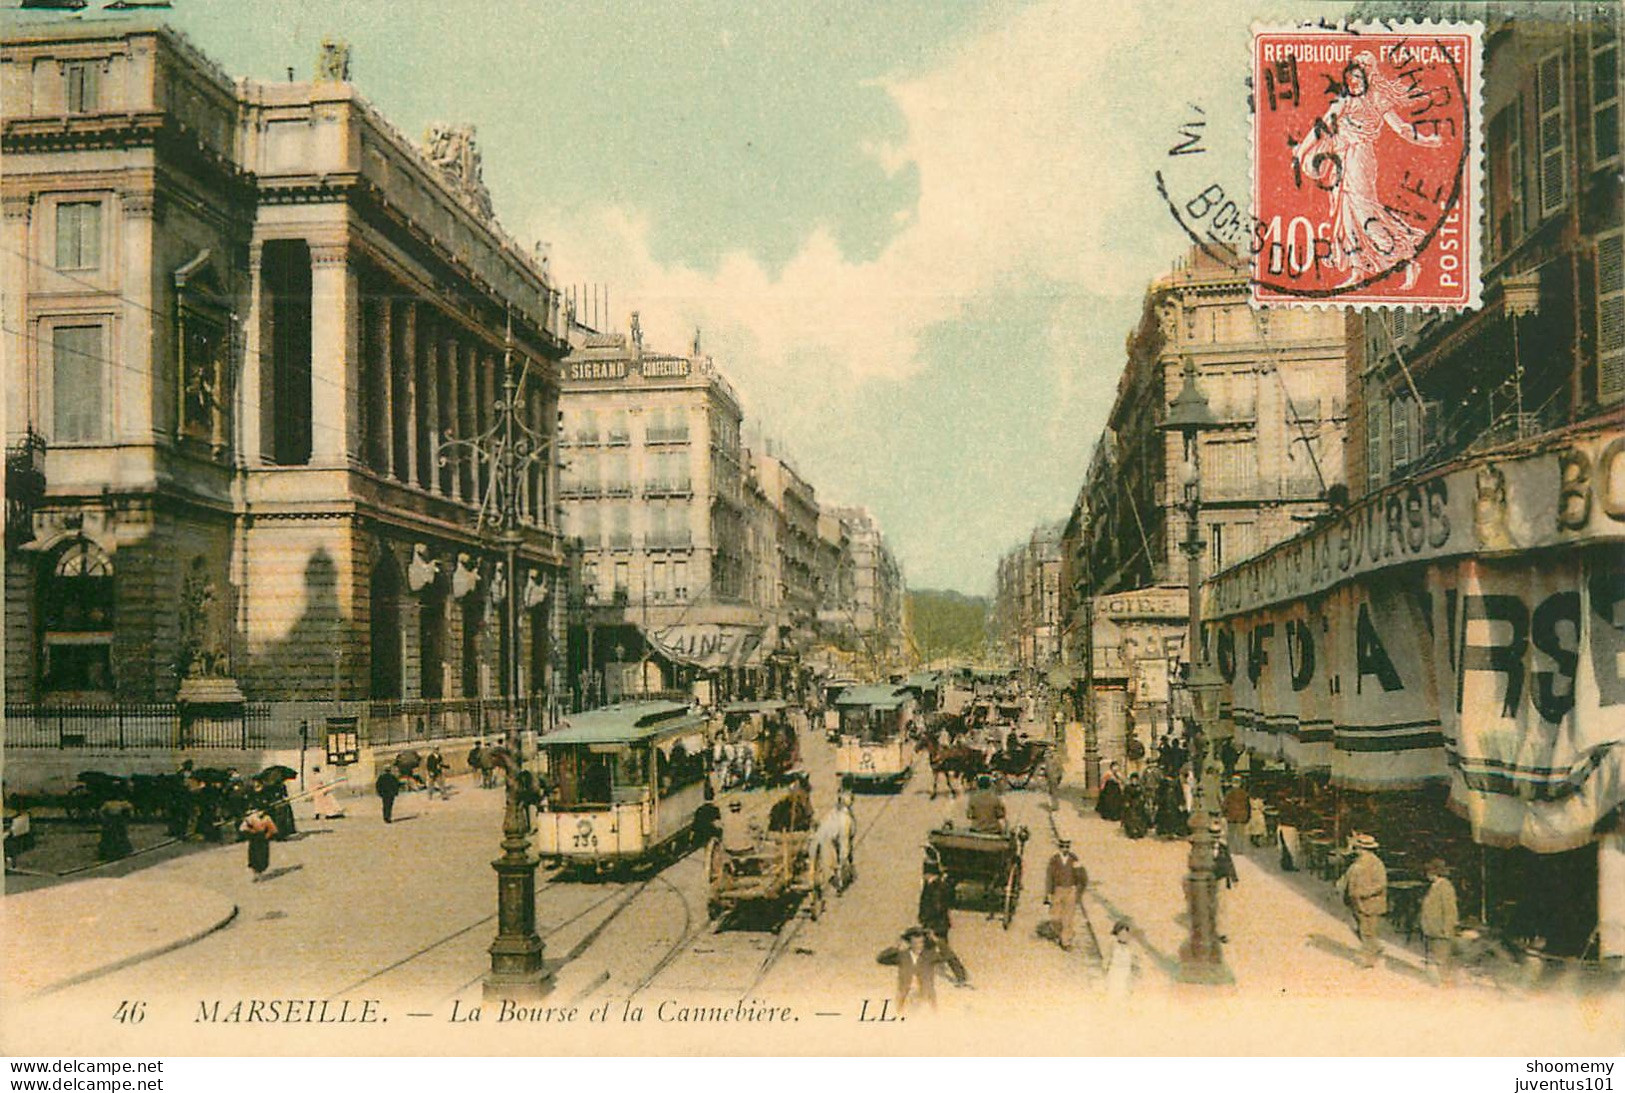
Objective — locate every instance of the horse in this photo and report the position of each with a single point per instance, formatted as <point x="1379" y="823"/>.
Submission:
<point x="833" y="844"/>
<point x="952" y="761"/>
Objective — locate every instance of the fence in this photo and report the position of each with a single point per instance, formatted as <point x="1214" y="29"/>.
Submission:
<point x="405" y="722"/>
<point x="132" y="725"/>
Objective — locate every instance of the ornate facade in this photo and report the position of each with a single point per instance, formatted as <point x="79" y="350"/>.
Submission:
<point x="248" y="316"/>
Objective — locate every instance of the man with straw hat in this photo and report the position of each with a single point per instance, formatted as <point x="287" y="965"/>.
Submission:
<point x="1364" y="888"/>
<point x="1439" y="920"/>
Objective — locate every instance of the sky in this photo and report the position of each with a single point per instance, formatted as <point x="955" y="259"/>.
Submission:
<point x="914" y="235"/>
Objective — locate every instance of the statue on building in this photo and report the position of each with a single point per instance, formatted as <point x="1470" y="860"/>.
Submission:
<point x="1490" y="510"/>
<point x="333" y="62"/>
<point x="466" y="577"/>
<point x="452" y="151"/>
<point x="422" y="570"/>
<point x="535" y="591"/>
<point x="499" y="583"/>
<point x="203" y="653"/>
<point x="637" y="332"/>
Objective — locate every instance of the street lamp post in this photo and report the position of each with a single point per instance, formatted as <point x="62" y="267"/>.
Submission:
<point x="1201" y="957"/>
<point x="511" y="449"/>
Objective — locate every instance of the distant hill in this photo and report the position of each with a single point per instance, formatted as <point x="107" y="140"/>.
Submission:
<point x="947" y="625"/>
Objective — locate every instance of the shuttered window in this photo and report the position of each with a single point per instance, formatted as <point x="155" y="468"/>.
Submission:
<point x="1611" y="316"/>
<point x="1605" y="91"/>
<point x="79" y="235"/>
<point x="77" y="383"/>
<point x="1550" y="134"/>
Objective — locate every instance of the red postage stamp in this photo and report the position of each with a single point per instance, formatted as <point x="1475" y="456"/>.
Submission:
<point x="1366" y="165"/>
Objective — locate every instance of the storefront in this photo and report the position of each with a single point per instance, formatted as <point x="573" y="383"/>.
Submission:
<point x="1456" y="643"/>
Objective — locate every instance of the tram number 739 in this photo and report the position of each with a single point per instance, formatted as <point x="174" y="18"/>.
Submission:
<point x="585" y="837"/>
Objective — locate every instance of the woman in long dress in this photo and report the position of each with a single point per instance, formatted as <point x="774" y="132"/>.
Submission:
<point x="321" y="798"/>
<point x="260" y="830"/>
<point x="1110" y="802"/>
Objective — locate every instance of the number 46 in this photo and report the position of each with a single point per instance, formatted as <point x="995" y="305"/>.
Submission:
<point x="130" y="1013"/>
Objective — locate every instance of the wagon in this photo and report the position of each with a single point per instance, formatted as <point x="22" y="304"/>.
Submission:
<point x="750" y="866"/>
<point x="1016" y="765"/>
<point x="982" y="869"/>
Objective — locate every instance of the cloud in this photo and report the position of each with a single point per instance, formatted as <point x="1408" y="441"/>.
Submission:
<point x="1033" y="142"/>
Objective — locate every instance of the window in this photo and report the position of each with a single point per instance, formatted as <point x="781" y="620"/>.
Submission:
<point x="587" y="427"/>
<point x="1400" y="421"/>
<point x="1215" y="545"/>
<point x="587" y="525"/>
<point x="78" y="620"/>
<point x="81" y="77"/>
<point x="623" y="573"/>
<point x="1549" y="133"/>
<point x="620" y="527"/>
<point x="1604" y="91"/>
<point x="679" y="581"/>
<point x="620" y="428"/>
<point x="589" y="581"/>
<point x="79" y="235"/>
<point x="1611" y="316"/>
<point x="77" y="384"/>
<point x="657" y="582"/>
<point x="1508" y="197"/>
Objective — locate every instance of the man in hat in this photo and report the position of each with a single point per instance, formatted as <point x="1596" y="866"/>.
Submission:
<point x="1238" y="809"/>
<point x="916" y="970"/>
<point x="1439" y="921"/>
<point x="985" y="808"/>
<point x="1364" y="888"/>
<point x="1064" y="882"/>
<point x="388" y="786"/>
<point x="936" y="903"/>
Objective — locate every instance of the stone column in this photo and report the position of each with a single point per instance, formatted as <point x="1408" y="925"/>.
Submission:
<point x="383" y="374"/>
<point x="141" y="413"/>
<point x="22" y="380"/>
<point x="248" y="399"/>
<point x="409" y="346"/>
<point x="468" y="419"/>
<point x="335" y="426"/>
<point x="429" y="379"/>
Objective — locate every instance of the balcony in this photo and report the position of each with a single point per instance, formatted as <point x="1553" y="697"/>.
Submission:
<point x="580" y="490"/>
<point x="669" y="487"/>
<point x="619" y="489"/>
<point x="620" y="540"/>
<point x="669" y="540"/>
<point x="658" y="434"/>
<point x="618" y="438"/>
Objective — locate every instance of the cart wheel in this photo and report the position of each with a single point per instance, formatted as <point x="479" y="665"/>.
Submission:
<point x="1012" y="891"/>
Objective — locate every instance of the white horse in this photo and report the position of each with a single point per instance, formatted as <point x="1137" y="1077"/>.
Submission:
<point x="833" y="845"/>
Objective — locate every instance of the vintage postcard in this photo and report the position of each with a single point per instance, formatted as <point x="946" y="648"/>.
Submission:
<point x="1029" y="528"/>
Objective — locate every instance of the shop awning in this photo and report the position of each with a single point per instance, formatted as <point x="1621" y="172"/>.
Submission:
<point x="1467" y="627"/>
<point x="711" y="645"/>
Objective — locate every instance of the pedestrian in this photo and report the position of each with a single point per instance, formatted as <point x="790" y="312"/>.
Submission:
<point x="1224" y="866"/>
<point x="1109" y="803"/>
<point x="1135" y="822"/>
<point x="1364" y="887"/>
<point x="1120" y="962"/>
<point x="936" y="903"/>
<point x="280" y="808"/>
<point x="1439" y="920"/>
<point x="1064" y="882"/>
<point x="916" y="970"/>
<point x="19" y="834"/>
<point x="321" y="798"/>
<point x="115" y="830"/>
<point x="388" y="786"/>
<point x="260" y="829"/>
<point x="436" y="766"/>
<point x="1238" y="809"/>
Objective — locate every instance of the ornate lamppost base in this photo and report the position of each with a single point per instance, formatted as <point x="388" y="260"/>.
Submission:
<point x="517" y="969"/>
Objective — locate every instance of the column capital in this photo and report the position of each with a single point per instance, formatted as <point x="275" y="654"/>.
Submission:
<point x="142" y="203"/>
<point x="18" y="205"/>
<point x="329" y="254"/>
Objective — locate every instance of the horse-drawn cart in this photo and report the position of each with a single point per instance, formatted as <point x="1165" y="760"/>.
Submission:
<point x="981" y="868"/>
<point x="1020" y="760"/>
<point x="750" y="866"/>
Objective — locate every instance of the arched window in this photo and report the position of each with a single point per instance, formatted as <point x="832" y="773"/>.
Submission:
<point x="77" y="620"/>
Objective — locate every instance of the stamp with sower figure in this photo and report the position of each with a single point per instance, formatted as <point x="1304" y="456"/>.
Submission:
<point x="1365" y="165"/>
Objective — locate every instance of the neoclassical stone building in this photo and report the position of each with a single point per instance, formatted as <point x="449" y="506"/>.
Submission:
<point x="241" y="320"/>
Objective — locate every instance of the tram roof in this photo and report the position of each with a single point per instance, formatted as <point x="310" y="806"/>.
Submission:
<point x="762" y="706"/>
<point x="886" y="696"/>
<point x="625" y="722"/>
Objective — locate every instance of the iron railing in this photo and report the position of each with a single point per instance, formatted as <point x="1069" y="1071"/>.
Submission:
<point x="123" y="726"/>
